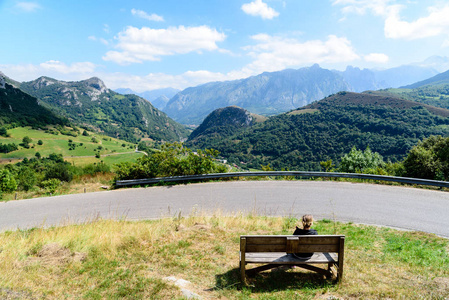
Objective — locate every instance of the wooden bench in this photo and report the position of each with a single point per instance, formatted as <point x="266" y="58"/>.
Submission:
<point x="276" y="250"/>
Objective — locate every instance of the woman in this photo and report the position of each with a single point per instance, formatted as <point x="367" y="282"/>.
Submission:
<point x="307" y="222"/>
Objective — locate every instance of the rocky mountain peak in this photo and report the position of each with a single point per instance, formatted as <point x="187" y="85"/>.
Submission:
<point x="97" y="84"/>
<point x="43" y="82"/>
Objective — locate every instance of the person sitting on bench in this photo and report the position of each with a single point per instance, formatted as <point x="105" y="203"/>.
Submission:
<point x="307" y="222"/>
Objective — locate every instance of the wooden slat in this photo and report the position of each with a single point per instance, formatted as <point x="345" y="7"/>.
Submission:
<point x="273" y="240"/>
<point x="298" y="249"/>
<point x="266" y="248"/>
<point x="284" y="236"/>
<point x="281" y="239"/>
<point x="313" y="248"/>
<point x="282" y="258"/>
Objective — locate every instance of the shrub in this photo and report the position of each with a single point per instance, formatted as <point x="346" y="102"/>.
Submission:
<point x="172" y="160"/>
<point x="429" y="159"/>
<point x="60" y="171"/>
<point x="360" y="161"/>
<point x="7" y="181"/>
<point x="26" y="178"/>
<point x="50" y="185"/>
<point x="94" y="168"/>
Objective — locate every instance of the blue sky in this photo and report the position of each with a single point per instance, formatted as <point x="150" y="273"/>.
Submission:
<point x="148" y="44"/>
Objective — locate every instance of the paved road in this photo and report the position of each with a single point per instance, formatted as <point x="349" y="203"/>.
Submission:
<point x="399" y="207"/>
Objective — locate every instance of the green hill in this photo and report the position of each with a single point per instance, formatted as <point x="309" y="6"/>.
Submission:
<point x="223" y="122"/>
<point x="83" y="148"/>
<point x="20" y="109"/>
<point x="91" y="103"/>
<point x="329" y="128"/>
<point x="435" y="95"/>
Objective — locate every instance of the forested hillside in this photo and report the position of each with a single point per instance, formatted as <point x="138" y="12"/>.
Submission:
<point x="91" y="103"/>
<point x="20" y="109"/>
<point x="329" y="128"/>
<point x="223" y="122"/>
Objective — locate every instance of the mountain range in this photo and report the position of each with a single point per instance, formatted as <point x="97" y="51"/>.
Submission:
<point x="325" y="129"/>
<point x="277" y="92"/>
<point x="91" y="104"/>
<point x="300" y="134"/>
<point x="159" y="97"/>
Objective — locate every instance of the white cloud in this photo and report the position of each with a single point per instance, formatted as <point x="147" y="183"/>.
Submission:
<point x="445" y="44"/>
<point x="101" y="40"/>
<point x="52" y="68"/>
<point x="84" y="70"/>
<point x="146" y="44"/>
<point x="259" y="8"/>
<point x="106" y="28"/>
<point x="276" y="53"/>
<point x="59" y="67"/>
<point x="28" y="6"/>
<point x="361" y="7"/>
<point x="161" y="80"/>
<point x="144" y="15"/>
<point x="379" y="58"/>
<point x="434" y="24"/>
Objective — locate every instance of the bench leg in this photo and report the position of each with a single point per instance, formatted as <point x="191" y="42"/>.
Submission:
<point x="243" y="272"/>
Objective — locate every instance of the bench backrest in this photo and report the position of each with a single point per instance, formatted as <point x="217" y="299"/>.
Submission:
<point x="292" y="243"/>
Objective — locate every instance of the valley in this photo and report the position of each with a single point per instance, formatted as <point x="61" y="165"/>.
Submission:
<point x="88" y="124"/>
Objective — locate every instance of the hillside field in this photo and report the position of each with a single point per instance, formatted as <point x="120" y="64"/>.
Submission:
<point x="81" y="150"/>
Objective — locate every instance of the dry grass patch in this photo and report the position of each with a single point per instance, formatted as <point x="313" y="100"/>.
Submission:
<point x="121" y="259"/>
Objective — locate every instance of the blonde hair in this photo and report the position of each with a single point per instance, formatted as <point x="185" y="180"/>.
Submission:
<point x="307" y="221"/>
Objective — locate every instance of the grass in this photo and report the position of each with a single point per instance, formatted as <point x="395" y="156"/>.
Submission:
<point x="107" y="259"/>
<point x="82" y="153"/>
<point x="303" y="111"/>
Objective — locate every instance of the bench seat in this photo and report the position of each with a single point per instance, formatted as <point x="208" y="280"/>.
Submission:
<point x="282" y="258"/>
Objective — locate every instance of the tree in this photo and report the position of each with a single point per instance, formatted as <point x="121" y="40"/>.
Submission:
<point x="7" y="181"/>
<point x="173" y="160"/>
<point x="40" y="143"/>
<point x="60" y="171"/>
<point x="50" y="185"/>
<point x="429" y="159"/>
<point x="26" y="178"/>
<point x="38" y="155"/>
<point x="3" y="132"/>
<point x="361" y="161"/>
<point x="26" y="142"/>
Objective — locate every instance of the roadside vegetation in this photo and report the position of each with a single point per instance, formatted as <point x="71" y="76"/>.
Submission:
<point x="87" y="162"/>
<point x="58" y="160"/>
<point x="132" y="260"/>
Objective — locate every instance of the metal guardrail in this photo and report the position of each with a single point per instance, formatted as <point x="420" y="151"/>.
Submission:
<point x="406" y="180"/>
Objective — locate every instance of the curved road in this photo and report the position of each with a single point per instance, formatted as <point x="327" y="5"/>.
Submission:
<point x="393" y="206"/>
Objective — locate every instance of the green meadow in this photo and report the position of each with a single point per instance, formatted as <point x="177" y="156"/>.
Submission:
<point x="106" y="259"/>
<point x="80" y="150"/>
